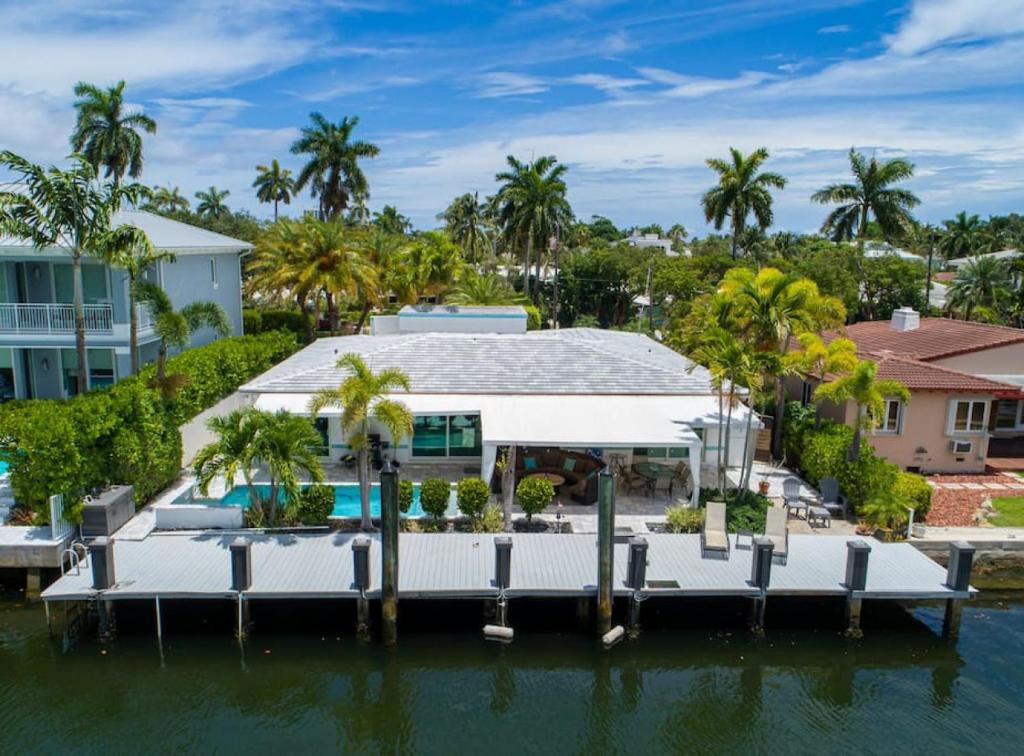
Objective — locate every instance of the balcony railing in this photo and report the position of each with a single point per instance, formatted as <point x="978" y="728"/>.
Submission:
<point x="53" y="318"/>
<point x="145" y="317"/>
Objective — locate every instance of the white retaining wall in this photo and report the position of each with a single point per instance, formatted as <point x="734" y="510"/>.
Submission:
<point x="195" y="435"/>
<point x="197" y="517"/>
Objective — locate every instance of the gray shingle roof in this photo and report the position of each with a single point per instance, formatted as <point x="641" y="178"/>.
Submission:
<point x="569" y="361"/>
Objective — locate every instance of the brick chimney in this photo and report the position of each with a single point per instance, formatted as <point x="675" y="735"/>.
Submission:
<point x="905" y="319"/>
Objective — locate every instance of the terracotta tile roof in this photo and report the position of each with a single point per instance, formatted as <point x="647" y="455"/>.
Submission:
<point x="918" y="375"/>
<point x="934" y="339"/>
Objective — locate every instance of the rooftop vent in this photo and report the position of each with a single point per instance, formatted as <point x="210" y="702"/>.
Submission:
<point x="905" y="319"/>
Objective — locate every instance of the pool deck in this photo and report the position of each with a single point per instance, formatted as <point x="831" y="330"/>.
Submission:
<point x="196" y="565"/>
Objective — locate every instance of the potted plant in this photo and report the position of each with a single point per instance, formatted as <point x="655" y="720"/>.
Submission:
<point x="763" y="486"/>
<point x="888" y="515"/>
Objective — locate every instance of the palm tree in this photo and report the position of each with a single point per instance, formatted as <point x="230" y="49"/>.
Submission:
<point x="106" y="135"/>
<point x="65" y="208"/>
<point x="740" y="191"/>
<point x="167" y="200"/>
<point x="960" y="236"/>
<point x="392" y="221"/>
<point x="984" y="282"/>
<point x="175" y="328"/>
<point x="333" y="171"/>
<point x="211" y="203"/>
<point x="387" y="255"/>
<point x="363" y="397"/>
<point x="862" y="387"/>
<point x="533" y="207"/>
<point x="871" y="193"/>
<point x="466" y="221"/>
<point x="274" y="267"/>
<point x="274" y="184"/>
<point x="129" y="248"/>
<point x="475" y="288"/>
<point x="333" y="261"/>
<point x="436" y="262"/>
<point x="283" y="443"/>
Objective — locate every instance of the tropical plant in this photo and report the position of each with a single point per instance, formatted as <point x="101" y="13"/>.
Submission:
<point x="436" y="261"/>
<point x="914" y="488"/>
<point x="532" y="208"/>
<point x="684" y="519"/>
<point x="862" y="387"/>
<point x="435" y="493"/>
<point x="174" y="328"/>
<point x="405" y="496"/>
<point x="106" y="135"/>
<point x="166" y="199"/>
<point x="534" y="495"/>
<point x="282" y="443"/>
<point x="274" y="184"/>
<point x="871" y="193"/>
<point x="887" y="512"/>
<point x="391" y="221"/>
<point x="741" y="189"/>
<point x="362" y="398"/>
<point x="475" y="288"/>
<point x="211" y="203"/>
<point x="466" y="221"/>
<point x="314" y="505"/>
<point x="471" y="496"/>
<point x="129" y="248"/>
<point x="65" y="208"/>
<point x="961" y="236"/>
<point x="490" y="521"/>
<point x="332" y="171"/>
<point x="984" y="282"/>
<point x="389" y="274"/>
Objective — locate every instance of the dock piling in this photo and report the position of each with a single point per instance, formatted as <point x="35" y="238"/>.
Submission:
<point x="958" y="577"/>
<point x="101" y="557"/>
<point x="389" y="549"/>
<point x="502" y="575"/>
<point x="605" y="549"/>
<point x="241" y="581"/>
<point x="857" y="553"/>
<point x="760" y="578"/>
<point x="637" y="576"/>
<point x="361" y="570"/>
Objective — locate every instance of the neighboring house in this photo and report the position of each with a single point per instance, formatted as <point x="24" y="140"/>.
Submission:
<point x="1007" y="255"/>
<point x="645" y="241"/>
<point x="37" y="319"/>
<point x="613" y="395"/>
<point x="967" y="390"/>
<point x="874" y="250"/>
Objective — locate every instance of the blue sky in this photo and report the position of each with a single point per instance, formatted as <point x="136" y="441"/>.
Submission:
<point x="633" y="96"/>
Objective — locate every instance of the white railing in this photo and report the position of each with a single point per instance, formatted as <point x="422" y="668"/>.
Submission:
<point x="53" y="318"/>
<point x="145" y="317"/>
<point x="60" y="528"/>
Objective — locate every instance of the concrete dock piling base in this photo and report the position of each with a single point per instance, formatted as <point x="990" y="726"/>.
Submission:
<point x="853" y="607"/>
<point x="958" y="577"/>
<point x="33" y="583"/>
<point x="857" y="553"/>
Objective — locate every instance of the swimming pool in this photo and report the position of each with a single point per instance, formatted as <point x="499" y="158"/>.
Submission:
<point x="346" y="500"/>
<point x="3" y="468"/>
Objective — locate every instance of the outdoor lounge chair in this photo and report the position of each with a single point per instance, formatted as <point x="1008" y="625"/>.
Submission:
<point x="791" y="495"/>
<point x="713" y="535"/>
<point x="831" y="499"/>
<point x="776" y="528"/>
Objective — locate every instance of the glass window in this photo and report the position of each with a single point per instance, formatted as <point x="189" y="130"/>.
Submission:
<point x="892" y="417"/>
<point x="213" y="271"/>
<point x="63" y="287"/>
<point x="464" y="436"/>
<point x="6" y="374"/>
<point x="3" y="283"/>
<point x="969" y="416"/>
<point x="323" y="449"/>
<point x="94" y="284"/>
<point x="101" y="369"/>
<point x="430" y="436"/>
<point x="679" y="452"/>
<point x="1008" y="414"/>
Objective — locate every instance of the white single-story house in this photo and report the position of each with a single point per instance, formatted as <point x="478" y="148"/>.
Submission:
<point x="605" y="394"/>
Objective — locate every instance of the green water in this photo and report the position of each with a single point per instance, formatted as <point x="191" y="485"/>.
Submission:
<point x="682" y="687"/>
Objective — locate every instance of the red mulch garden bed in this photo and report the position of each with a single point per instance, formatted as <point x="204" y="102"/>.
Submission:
<point x="957" y="507"/>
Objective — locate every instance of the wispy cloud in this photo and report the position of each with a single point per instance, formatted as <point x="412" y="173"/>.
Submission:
<point x="684" y="86"/>
<point x="935" y="22"/>
<point x="606" y="83"/>
<point x="836" y="29"/>
<point x="508" y="84"/>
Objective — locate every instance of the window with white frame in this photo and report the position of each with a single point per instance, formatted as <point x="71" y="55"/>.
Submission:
<point x="891" y="420"/>
<point x="968" y="416"/>
<point x="213" y="271"/>
<point x="1010" y="414"/>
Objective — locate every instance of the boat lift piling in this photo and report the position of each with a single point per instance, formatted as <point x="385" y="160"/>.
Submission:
<point x="389" y="558"/>
<point x="760" y="578"/>
<point x="958" y="577"/>
<point x="502" y="580"/>
<point x="605" y="550"/>
<point x="637" y="579"/>
<point x="857" y="553"/>
<point x="101" y="556"/>
<point x="241" y="581"/>
<point x="361" y="572"/>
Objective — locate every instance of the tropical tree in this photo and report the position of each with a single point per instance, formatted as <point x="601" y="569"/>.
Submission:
<point x="533" y="207"/>
<point x="961" y="236"/>
<point x="274" y="184"/>
<point x="983" y="284"/>
<point x="392" y="221"/>
<point x="677" y="233"/>
<point x="106" y="134"/>
<point x="387" y="255"/>
<point x="165" y="199"/>
<point x="363" y="397"/>
<point x="333" y="261"/>
<point x="863" y="387"/>
<point x="211" y="203"/>
<point x="129" y="248"/>
<point x="475" y="288"/>
<point x="275" y="266"/>
<point x="174" y="328"/>
<point x="741" y="189"/>
<point x="436" y="262"/>
<point x="332" y="172"/>
<point x="466" y="220"/>
<point x="65" y="208"/>
<point x="244" y="438"/>
<point x="871" y="193"/>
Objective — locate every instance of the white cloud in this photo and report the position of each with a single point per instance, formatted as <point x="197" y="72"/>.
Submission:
<point x="605" y="83"/>
<point x="683" y="86"/>
<point x="935" y="22"/>
<point x="835" y="29"/>
<point x="508" y="84"/>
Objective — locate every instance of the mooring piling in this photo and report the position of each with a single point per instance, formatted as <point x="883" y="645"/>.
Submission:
<point x="241" y="581"/>
<point x="857" y="553"/>
<point x="760" y="578"/>
<point x="389" y="554"/>
<point x="101" y="557"/>
<point x="502" y="575"/>
<point x="605" y="549"/>
<point x="958" y="578"/>
<point x="361" y="571"/>
<point x="637" y="579"/>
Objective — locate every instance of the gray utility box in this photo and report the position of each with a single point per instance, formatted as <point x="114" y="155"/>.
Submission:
<point x="107" y="512"/>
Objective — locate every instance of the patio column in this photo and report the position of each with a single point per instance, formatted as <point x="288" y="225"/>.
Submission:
<point x="695" y="472"/>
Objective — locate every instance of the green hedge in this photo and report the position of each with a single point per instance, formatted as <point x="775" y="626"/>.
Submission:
<point x="256" y="321"/>
<point x="914" y="490"/>
<point x="126" y="433"/>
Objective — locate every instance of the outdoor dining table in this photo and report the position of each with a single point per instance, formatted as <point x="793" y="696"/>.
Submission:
<point x="651" y="472"/>
<point x="556" y="480"/>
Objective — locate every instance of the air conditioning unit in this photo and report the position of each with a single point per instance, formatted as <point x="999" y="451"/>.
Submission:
<point x="958" y="446"/>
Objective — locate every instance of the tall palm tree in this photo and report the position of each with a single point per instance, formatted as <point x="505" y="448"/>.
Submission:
<point x="740" y="191"/>
<point x="863" y="387"/>
<point x="960" y="236"/>
<point x="105" y="134"/>
<point x="475" y="288"/>
<point x="991" y="238"/>
<point x="364" y="398"/>
<point x="165" y="199"/>
<point x="274" y="184"/>
<point x="333" y="171"/>
<point x="333" y="261"/>
<point x="65" y="208"/>
<point x="392" y="221"/>
<point x="283" y="443"/>
<point x="983" y="283"/>
<point x="871" y="193"/>
<point x="533" y="207"/>
<point x="129" y="248"/>
<point x="211" y="203"/>
<point x="275" y="265"/>
<point x="174" y="328"/>
<point x="466" y="221"/>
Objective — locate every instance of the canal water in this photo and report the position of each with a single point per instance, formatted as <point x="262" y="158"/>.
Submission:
<point x="695" y="681"/>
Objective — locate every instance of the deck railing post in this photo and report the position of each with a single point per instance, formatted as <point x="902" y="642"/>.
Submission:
<point x="241" y="581"/>
<point x="361" y="571"/>
<point x="605" y="549"/>
<point x="760" y="578"/>
<point x="637" y="576"/>
<point x="958" y="578"/>
<point x="857" y="553"/>
<point x="101" y="557"/>
<point x="502" y="575"/>
<point x="389" y="556"/>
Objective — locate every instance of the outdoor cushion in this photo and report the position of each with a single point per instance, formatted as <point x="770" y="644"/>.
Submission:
<point x="530" y="463"/>
<point x="568" y="464"/>
<point x="716" y="539"/>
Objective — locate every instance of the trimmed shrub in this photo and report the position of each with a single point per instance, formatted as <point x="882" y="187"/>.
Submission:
<point x="533" y="319"/>
<point x="914" y="489"/>
<point x="434" y="496"/>
<point x="405" y="491"/>
<point x="472" y="495"/>
<point x="798" y="424"/>
<point x="534" y="494"/>
<point x="252" y="321"/>
<point x="314" y="505"/>
<point x="868" y="478"/>
<point x="824" y="451"/>
<point x="744" y="510"/>
<point x="291" y="321"/>
<point x="680" y="519"/>
<point x="490" y="521"/>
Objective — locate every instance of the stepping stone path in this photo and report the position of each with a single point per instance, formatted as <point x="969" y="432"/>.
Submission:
<point x="956" y="498"/>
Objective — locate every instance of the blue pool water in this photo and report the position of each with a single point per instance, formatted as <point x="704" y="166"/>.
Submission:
<point x="346" y="499"/>
<point x="3" y="467"/>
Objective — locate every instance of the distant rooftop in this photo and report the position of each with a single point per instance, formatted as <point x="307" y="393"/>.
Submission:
<point x="934" y="338"/>
<point x="454" y="311"/>
<point x="1003" y="254"/>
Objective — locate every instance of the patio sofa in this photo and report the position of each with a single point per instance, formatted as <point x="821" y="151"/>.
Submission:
<point x="579" y="470"/>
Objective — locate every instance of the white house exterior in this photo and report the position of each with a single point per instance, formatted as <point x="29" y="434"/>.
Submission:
<point x="648" y="241"/>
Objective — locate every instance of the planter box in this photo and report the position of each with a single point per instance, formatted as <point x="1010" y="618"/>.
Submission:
<point x="107" y="512"/>
<point x="197" y="517"/>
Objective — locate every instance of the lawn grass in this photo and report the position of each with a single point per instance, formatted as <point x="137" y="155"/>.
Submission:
<point x="1011" y="511"/>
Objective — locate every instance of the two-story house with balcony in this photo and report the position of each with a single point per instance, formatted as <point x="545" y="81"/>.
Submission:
<point x="37" y="319"/>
